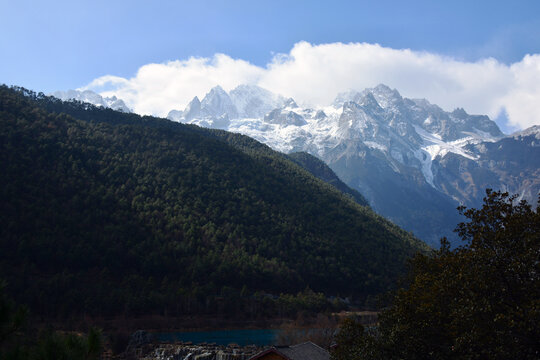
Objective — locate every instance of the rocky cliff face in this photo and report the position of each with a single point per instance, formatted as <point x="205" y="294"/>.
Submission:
<point x="511" y="164"/>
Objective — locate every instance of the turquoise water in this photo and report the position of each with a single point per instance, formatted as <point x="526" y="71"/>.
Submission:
<point x="259" y="337"/>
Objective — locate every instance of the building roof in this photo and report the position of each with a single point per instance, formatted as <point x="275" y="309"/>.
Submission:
<point x="305" y="351"/>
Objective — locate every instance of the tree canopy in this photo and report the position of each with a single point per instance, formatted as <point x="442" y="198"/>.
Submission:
<point x="17" y="342"/>
<point x="478" y="301"/>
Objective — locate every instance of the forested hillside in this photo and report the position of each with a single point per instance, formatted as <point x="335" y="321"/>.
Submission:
<point x="108" y="213"/>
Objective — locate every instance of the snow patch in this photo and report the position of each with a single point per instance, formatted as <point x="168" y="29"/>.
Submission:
<point x="435" y="146"/>
<point x="377" y="146"/>
<point x="425" y="160"/>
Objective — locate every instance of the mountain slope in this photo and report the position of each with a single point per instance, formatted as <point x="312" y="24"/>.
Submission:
<point x="170" y="216"/>
<point x="321" y="171"/>
<point x="414" y="162"/>
<point x="510" y="164"/>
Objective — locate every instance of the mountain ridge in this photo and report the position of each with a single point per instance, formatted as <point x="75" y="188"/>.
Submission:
<point x="415" y="148"/>
<point x="404" y="141"/>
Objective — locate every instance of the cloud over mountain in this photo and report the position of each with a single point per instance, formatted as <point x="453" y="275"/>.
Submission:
<point x="314" y="74"/>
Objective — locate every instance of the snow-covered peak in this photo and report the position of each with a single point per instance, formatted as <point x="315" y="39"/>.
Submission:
<point x="193" y="109"/>
<point x="290" y="103"/>
<point x="369" y="102"/>
<point x="284" y="117"/>
<point x="380" y="96"/>
<point x="385" y="96"/>
<point x="320" y="115"/>
<point x="409" y="134"/>
<point x="216" y="94"/>
<point x="356" y="123"/>
<point x="84" y="96"/>
<point x="252" y="101"/>
<point x="532" y="131"/>
<point x="93" y="98"/>
<point x="426" y="106"/>
<point x="218" y="103"/>
<point x="217" y="90"/>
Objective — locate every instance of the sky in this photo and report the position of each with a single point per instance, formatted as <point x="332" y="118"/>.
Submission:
<point x="483" y="56"/>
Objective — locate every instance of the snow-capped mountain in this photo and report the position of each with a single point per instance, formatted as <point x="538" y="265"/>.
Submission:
<point x="255" y="102"/>
<point x="218" y="107"/>
<point x="215" y="110"/>
<point x="412" y="160"/>
<point x="93" y="98"/>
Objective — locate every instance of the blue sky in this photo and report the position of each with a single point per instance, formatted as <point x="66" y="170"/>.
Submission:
<point x="50" y="45"/>
<point x="58" y="45"/>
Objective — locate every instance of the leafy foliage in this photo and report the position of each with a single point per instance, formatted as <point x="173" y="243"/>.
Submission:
<point x="352" y="342"/>
<point x="17" y="342"/>
<point x="56" y="346"/>
<point x="109" y="213"/>
<point x="320" y="331"/>
<point x="481" y="300"/>
<point x="12" y="320"/>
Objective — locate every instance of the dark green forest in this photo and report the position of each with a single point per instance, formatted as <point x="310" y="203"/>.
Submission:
<point x="105" y="213"/>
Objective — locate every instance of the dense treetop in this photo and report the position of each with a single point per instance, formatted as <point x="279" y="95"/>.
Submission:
<point x="478" y="301"/>
<point x="106" y="213"/>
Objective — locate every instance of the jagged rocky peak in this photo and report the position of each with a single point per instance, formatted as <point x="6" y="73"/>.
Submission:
<point x="425" y="114"/>
<point x="463" y="123"/>
<point x="354" y="121"/>
<point x="252" y="101"/>
<point x="385" y="96"/>
<point x="483" y="124"/>
<point x="93" y="98"/>
<point x="84" y="96"/>
<point x="217" y="103"/>
<point x="349" y="107"/>
<point x="284" y="117"/>
<point x="319" y="115"/>
<point x="116" y="104"/>
<point x="379" y="96"/>
<point x="459" y="114"/>
<point x="424" y="105"/>
<point x="290" y="103"/>
<point x="369" y="102"/>
<point x="385" y="91"/>
<point x="193" y="109"/>
<point x="532" y="131"/>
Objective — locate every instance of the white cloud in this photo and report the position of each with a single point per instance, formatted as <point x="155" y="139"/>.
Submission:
<point x="158" y="88"/>
<point x="314" y="74"/>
